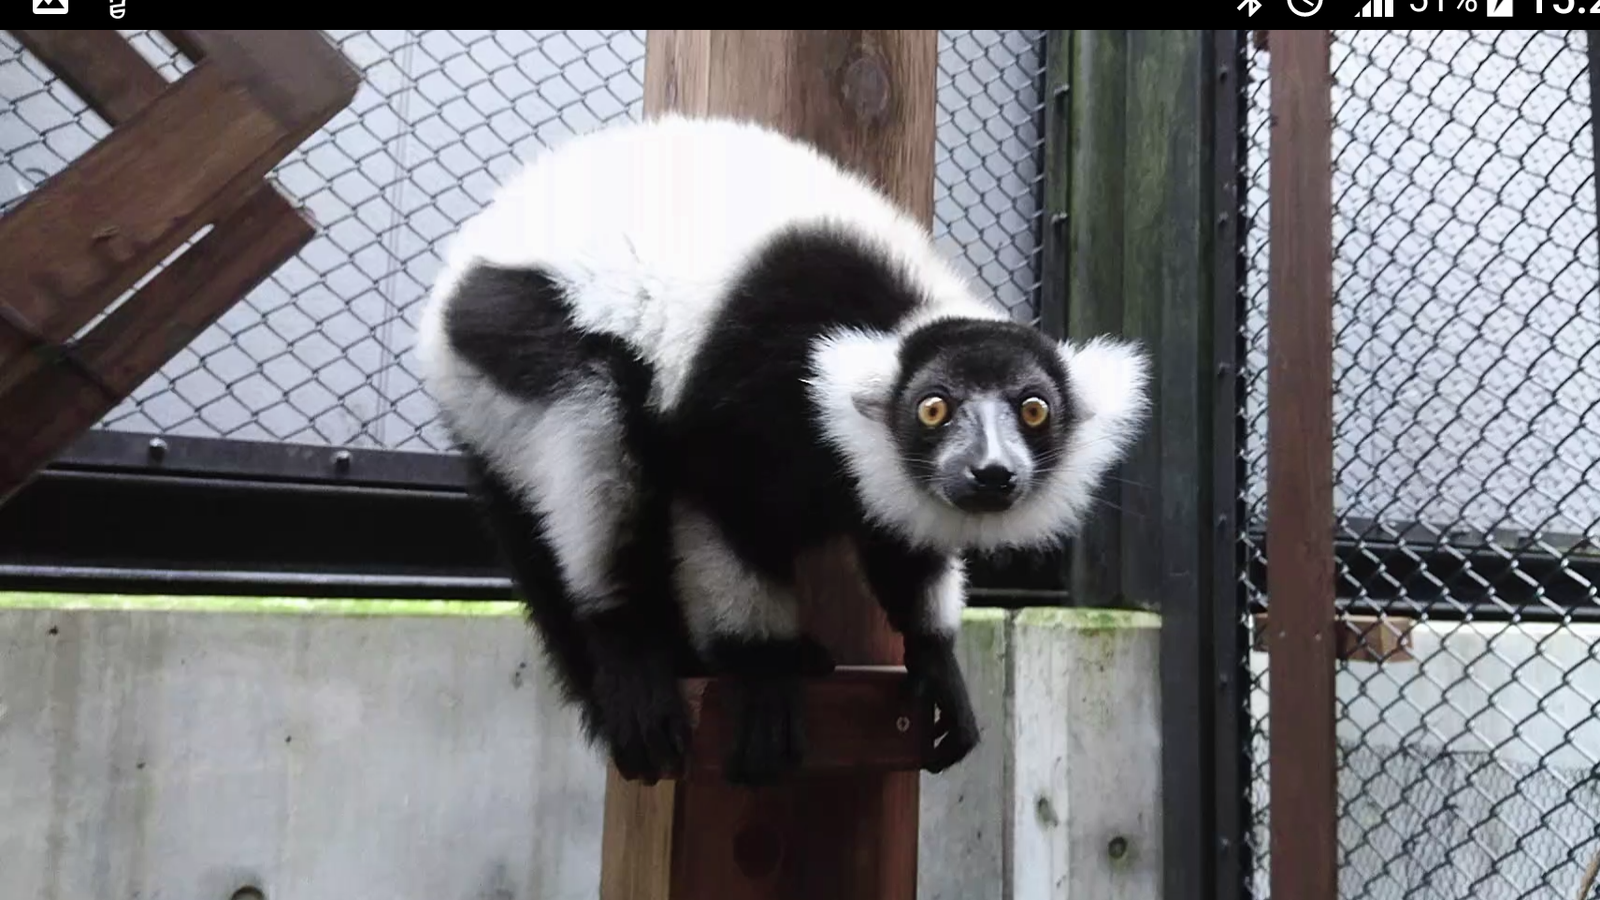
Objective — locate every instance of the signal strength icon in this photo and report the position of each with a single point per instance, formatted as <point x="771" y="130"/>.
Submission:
<point x="1377" y="9"/>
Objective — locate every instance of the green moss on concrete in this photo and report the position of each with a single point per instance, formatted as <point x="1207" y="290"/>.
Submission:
<point x="983" y="634"/>
<point x="1087" y="619"/>
<point x="257" y="605"/>
<point x="973" y="615"/>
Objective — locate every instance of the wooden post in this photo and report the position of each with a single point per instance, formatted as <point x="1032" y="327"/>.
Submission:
<point x="867" y="99"/>
<point x="1300" y="570"/>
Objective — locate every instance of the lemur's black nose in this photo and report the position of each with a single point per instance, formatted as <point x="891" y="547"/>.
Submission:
<point x="993" y="478"/>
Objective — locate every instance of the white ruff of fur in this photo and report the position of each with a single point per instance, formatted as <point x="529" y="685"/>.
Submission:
<point x="1107" y="379"/>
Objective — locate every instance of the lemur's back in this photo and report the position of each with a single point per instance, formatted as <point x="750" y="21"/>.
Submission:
<point x="647" y="224"/>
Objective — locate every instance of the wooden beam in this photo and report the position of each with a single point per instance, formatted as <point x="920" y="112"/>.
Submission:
<point x="115" y="81"/>
<point x="1300" y="570"/>
<point x="180" y="156"/>
<point x="84" y="237"/>
<point x="866" y="98"/>
<point x="1356" y="638"/>
<point x="298" y="76"/>
<point x="93" y="230"/>
<point x="99" y="66"/>
<point x="54" y="404"/>
<point x="857" y="720"/>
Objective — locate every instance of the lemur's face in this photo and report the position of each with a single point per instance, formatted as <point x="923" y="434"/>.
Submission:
<point x="981" y="413"/>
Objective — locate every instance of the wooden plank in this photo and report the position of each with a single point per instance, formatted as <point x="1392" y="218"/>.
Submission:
<point x="89" y="233"/>
<point x="100" y="66"/>
<point x="866" y="98"/>
<point x="1356" y="638"/>
<point x="55" y="404"/>
<point x="1166" y="510"/>
<point x="1141" y="264"/>
<point x="116" y="82"/>
<point x="104" y="70"/>
<point x="184" y="42"/>
<point x="112" y="214"/>
<point x="637" y="841"/>
<point x="1300" y="572"/>
<point x="1094" y="277"/>
<point x="859" y="719"/>
<point x="298" y="76"/>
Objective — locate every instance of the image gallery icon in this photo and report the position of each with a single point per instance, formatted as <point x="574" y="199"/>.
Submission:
<point x="49" y="7"/>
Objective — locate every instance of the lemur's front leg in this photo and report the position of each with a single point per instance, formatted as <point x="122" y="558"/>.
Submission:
<point x="923" y="593"/>
<point x="746" y="627"/>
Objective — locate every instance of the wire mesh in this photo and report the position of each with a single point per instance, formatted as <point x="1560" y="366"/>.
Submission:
<point x="1467" y="347"/>
<point x="321" y="353"/>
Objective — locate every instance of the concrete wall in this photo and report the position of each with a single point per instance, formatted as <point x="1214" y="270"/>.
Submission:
<point x="337" y="750"/>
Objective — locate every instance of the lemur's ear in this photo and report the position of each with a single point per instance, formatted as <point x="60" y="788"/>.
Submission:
<point x="858" y="366"/>
<point x="1108" y="377"/>
<point x="872" y="403"/>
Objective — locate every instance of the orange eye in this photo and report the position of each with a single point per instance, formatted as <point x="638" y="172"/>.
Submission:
<point x="1034" y="412"/>
<point x="932" y="411"/>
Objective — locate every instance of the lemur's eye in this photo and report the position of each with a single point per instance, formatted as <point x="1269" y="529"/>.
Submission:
<point x="932" y="411"/>
<point x="1034" y="412"/>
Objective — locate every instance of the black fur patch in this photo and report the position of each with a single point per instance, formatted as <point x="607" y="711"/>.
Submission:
<point x="933" y="675"/>
<point x="750" y="452"/>
<point x="748" y="446"/>
<point x="765" y="689"/>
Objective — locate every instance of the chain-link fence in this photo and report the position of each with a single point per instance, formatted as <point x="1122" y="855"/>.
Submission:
<point x="1467" y="460"/>
<point x="321" y="353"/>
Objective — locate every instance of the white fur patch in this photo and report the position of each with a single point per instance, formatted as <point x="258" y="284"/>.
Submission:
<point x="720" y="594"/>
<point x="565" y="459"/>
<point x="1107" y="382"/>
<point x="946" y="598"/>
<point x="646" y="224"/>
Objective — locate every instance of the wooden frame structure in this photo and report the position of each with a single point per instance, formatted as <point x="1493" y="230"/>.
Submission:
<point x="847" y="828"/>
<point x="181" y="156"/>
<point x="1300" y="579"/>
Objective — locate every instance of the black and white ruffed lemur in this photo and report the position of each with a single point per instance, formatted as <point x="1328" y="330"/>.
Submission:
<point x="677" y="353"/>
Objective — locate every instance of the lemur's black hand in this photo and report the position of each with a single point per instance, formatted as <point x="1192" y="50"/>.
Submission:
<point x="940" y="692"/>
<point x="765" y="681"/>
<point x="641" y="717"/>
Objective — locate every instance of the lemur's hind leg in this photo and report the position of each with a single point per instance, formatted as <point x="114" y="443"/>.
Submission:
<point x="746" y="627"/>
<point x="556" y="417"/>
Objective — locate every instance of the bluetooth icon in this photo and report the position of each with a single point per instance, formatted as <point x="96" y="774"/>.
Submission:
<point x="1252" y="4"/>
